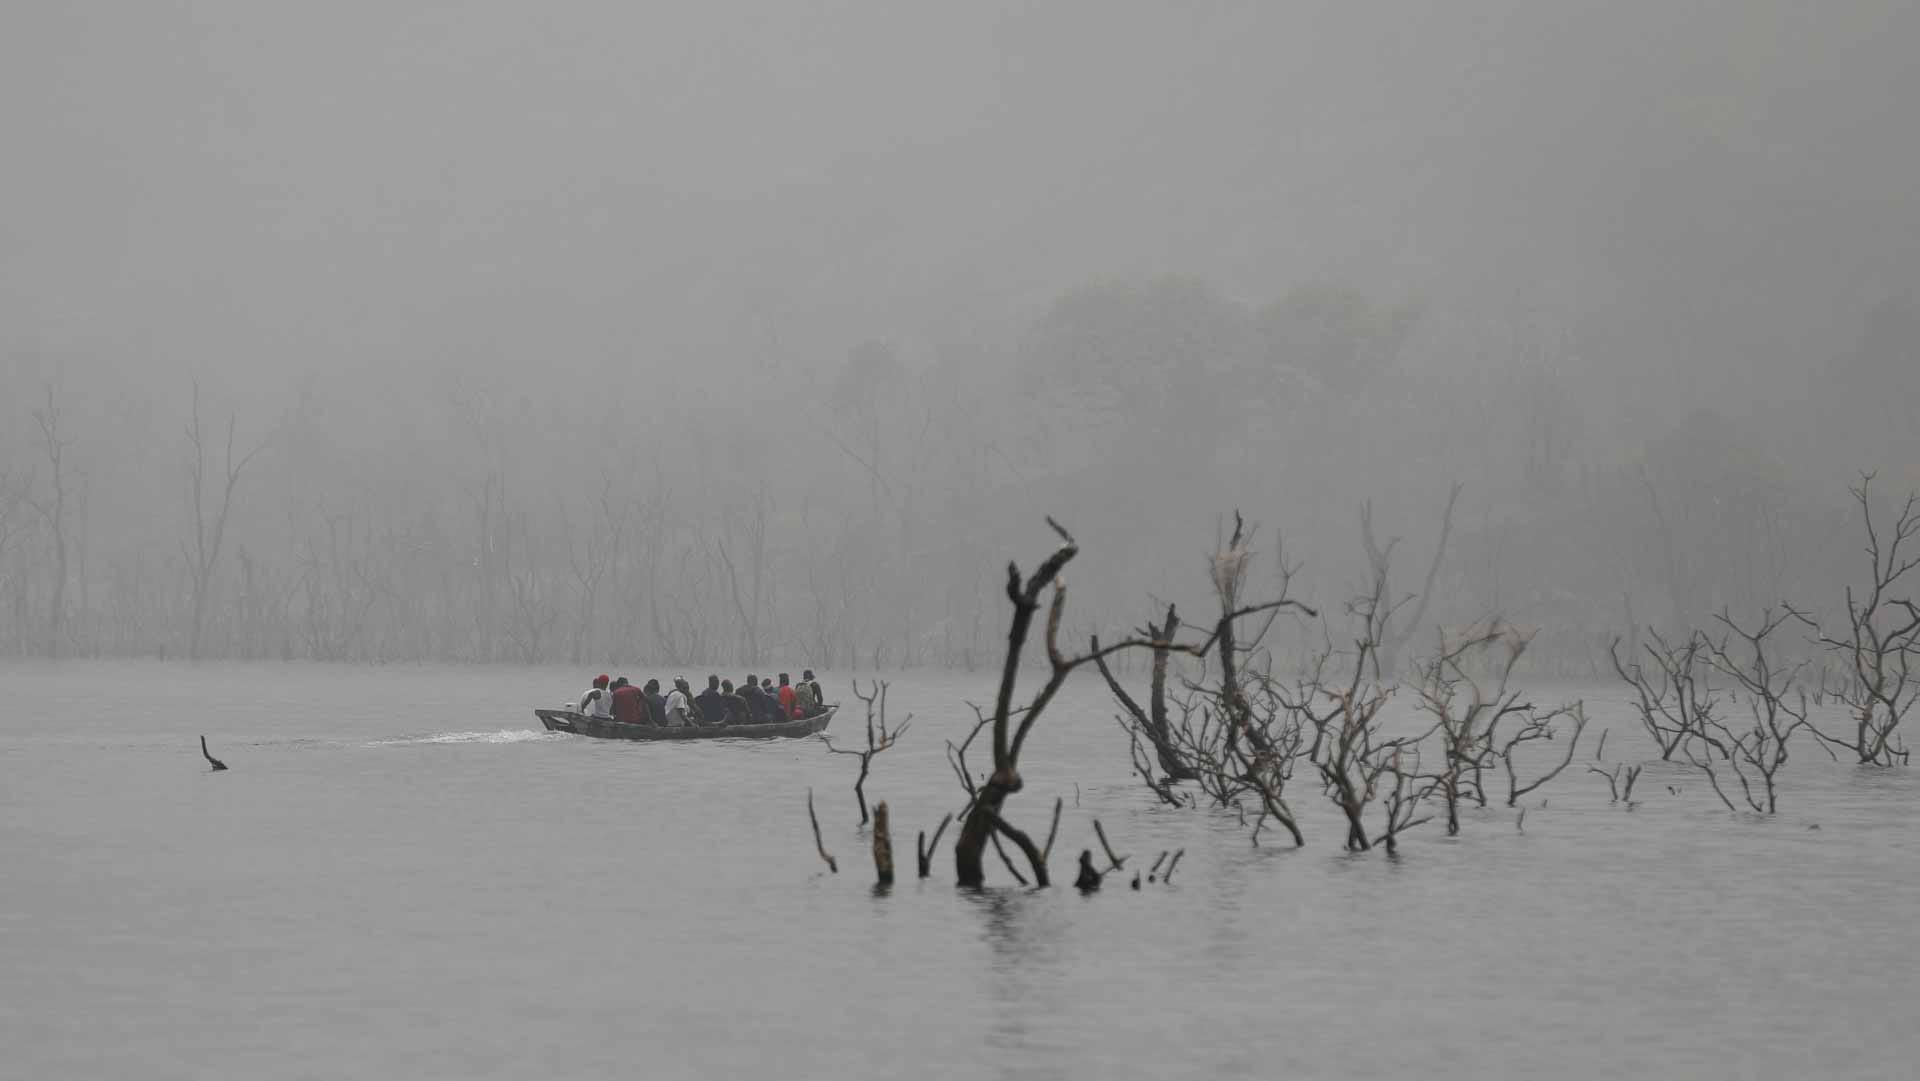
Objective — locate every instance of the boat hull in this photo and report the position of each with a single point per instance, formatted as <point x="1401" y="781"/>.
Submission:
<point x="563" y="720"/>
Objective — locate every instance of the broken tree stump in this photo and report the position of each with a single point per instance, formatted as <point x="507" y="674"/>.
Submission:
<point x="882" y="845"/>
<point x="925" y="850"/>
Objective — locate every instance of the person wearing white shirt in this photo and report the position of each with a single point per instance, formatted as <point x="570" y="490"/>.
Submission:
<point x="679" y="708"/>
<point x="597" y="702"/>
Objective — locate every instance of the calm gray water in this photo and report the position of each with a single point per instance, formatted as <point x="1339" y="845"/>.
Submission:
<point x="401" y="877"/>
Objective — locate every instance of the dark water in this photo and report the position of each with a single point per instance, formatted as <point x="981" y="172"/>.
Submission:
<point x="400" y="877"/>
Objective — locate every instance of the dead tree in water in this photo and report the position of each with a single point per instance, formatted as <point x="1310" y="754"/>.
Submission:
<point x="1777" y="705"/>
<point x="1349" y="749"/>
<point x="1880" y="644"/>
<point x="1403" y="798"/>
<point x="1466" y="715"/>
<point x="983" y="821"/>
<point x="1235" y="737"/>
<point x="211" y="761"/>
<point x="878" y="737"/>
<point x="1152" y="721"/>
<point x="1677" y="701"/>
<point x="1541" y="726"/>
<point x="1613" y="776"/>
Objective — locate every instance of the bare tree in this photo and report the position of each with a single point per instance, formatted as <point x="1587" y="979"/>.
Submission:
<point x="1234" y="737"/>
<point x="209" y="521"/>
<point x="53" y="510"/>
<point x="983" y="821"/>
<point x="1350" y="749"/>
<point x="1466" y="714"/>
<point x="879" y="737"/>
<point x="1776" y="704"/>
<point x="1880" y="644"/>
<point x="593" y="558"/>
<point x="529" y="584"/>
<point x="14" y="494"/>
<point x="1402" y="789"/>
<point x="1536" y="725"/>
<point x="1677" y="699"/>
<point x="1151" y="722"/>
<point x="747" y="607"/>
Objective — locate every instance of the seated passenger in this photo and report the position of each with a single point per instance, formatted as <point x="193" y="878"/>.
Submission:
<point x="819" y="696"/>
<point x="770" y="712"/>
<point x="656" y="705"/>
<point x="629" y="704"/>
<point x="785" y="696"/>
<point x="712" y="707"/>
<point x="679" y="706"/>
<point x="597" y="702"/>
<point x="756" y="706"/>
<point x="736" y="710"/>
<point x="805" y="702"/>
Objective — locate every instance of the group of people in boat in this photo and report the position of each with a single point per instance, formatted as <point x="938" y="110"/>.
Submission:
<point x="756" y="701"/>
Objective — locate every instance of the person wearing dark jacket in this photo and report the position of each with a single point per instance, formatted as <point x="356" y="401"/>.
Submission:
<point x="766" y="710"/>
<point x="819" y="696"/>
<point x="712" y="707"/>
<point x="737" y="710"/>
<point x="656" y="703"/>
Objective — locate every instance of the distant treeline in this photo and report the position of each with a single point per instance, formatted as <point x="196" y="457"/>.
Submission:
<point x="864" y="520"/>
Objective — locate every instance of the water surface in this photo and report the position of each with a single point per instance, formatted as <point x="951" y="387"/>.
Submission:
<point x="401" y="876"/>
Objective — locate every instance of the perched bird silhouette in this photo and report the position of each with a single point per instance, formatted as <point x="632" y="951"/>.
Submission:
<point x="1089" y="879"/>
<point x="217" y="764"/>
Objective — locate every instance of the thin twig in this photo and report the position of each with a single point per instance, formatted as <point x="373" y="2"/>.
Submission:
<point x="832" y="864"/>
<point x="1011" y="869"/>
<point x="1046" y="850"/>
<point x="1116" y="861"/>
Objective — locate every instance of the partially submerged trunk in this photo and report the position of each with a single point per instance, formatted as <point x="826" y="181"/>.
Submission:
<point x="882" y="846"/>
<point x="983" y="818"/>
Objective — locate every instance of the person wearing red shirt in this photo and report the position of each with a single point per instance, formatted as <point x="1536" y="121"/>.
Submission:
<point x="629" y="704"/>
<point x="786" y="696"/>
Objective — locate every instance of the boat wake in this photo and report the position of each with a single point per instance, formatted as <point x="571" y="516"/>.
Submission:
<point x="504" y="735"/>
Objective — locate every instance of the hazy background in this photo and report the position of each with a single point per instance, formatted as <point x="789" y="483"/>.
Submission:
<point x="669" y="334"/>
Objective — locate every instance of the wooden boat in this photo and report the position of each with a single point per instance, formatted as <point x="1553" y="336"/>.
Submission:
<point x="566" y="720"/>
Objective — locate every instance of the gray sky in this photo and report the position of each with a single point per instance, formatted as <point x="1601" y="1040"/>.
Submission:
<point x="381" y="183"/>
<point x="427" y="248"/>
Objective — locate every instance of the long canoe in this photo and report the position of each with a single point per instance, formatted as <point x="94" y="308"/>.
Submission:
<point x="566" y="720"/>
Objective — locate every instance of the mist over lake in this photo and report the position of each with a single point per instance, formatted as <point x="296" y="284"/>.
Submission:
<point x="400" y="875"/>
<point x="1390" y="533"/>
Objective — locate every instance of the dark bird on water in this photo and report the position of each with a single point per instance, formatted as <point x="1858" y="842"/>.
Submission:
<point x="217" y="764"/>
<point x="1089" y="878"/>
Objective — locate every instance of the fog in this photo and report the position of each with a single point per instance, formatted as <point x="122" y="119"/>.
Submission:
<point x="683" y="333"/>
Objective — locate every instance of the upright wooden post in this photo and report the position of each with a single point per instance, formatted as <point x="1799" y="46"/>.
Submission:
<point x="882" y="845"/>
